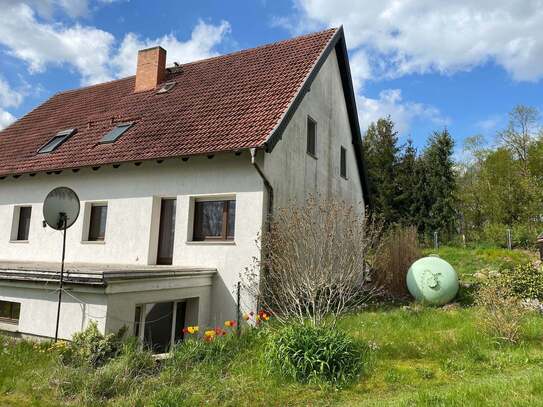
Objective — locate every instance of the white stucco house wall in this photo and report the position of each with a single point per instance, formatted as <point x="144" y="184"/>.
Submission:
<point x="194" y="160"/>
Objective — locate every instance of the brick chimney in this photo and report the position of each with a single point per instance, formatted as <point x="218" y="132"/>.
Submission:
<point x="151" y="68"/>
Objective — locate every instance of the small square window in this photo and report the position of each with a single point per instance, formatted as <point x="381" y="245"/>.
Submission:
<point x="343" y="162"/>
<point x="10" y="311"/>
<point x="97" y="222"/>
<point x="56" y="141"/>
<point x="214" y="220"/>
<point x="23" y="226"/>
<point x="115" y="133"/>
<point x="311" y="136"/>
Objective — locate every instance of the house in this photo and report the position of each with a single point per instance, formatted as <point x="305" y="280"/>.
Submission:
<point x="177" y="169"/>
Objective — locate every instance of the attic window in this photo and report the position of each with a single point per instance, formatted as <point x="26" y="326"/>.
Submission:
<point x="166" y="87"/>
<point x="115" y="133"/>
<point x="56" y="141"/>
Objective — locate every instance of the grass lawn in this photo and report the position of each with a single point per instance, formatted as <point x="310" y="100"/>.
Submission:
<point x="420" y="356"/>
<point x="468" y="261"/>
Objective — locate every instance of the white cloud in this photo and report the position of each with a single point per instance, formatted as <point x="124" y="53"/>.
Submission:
<point x="204" y="38"/>
<point x="420" y="36"/>
<point x="86" y="49"/>
<point x="91" y="52"/>
<point x="8" y="98"/>
<point x="390" y="102"/>
<point x="6" y="118"/>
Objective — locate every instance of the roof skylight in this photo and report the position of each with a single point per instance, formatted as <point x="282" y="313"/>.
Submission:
<point x="116" y="133"/>
<point x="56" y="141"/>
<point x="166" y="87"/>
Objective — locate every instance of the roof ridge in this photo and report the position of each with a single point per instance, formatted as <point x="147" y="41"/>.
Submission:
<point x="258" y="47"/>
<point x="241" y="51"/>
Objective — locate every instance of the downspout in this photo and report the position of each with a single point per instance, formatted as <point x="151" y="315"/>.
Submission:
<point x="267" y="183"/>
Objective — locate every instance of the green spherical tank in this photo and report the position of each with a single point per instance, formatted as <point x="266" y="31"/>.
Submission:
<point x="432" y="280"/>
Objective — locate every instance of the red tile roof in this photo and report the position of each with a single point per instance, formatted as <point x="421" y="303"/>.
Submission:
<point x="225" y="103"/>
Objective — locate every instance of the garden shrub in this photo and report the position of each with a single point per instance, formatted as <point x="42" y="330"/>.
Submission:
<point x="92" y="347"/>
<point x="525" y="280"/>
<point x="398" y="251"/>
<point x="502" y="314"/>
<point x="314" y="353"/>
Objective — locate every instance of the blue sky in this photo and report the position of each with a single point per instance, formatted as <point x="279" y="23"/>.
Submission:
<point x="461" y="64"/>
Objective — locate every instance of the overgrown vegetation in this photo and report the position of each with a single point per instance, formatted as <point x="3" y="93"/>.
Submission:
<point x="398" y="250"/>
<point x="314" y="354"/>
<point x="316" y="261"/>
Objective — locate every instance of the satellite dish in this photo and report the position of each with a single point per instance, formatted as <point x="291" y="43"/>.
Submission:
<point x="61" y="208"/>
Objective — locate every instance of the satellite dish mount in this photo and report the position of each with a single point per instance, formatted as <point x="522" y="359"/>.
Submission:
<point x="60" y="211"/>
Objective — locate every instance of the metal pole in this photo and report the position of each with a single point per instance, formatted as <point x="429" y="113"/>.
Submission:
<point x="238" y="313"/>
<point x="63" y="219"/>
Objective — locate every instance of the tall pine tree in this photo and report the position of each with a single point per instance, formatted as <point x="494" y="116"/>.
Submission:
<point x="437" y="206"/>
<point x="380" y="145"/>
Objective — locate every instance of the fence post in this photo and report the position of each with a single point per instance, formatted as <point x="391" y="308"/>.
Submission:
<point x="509" y="243"/>
<point x="436" y="241"/>
<point x="464" y="241"/>
<point x="238" y="309"/>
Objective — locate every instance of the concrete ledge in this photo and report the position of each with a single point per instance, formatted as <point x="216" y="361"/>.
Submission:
<point x="94" y="274"/>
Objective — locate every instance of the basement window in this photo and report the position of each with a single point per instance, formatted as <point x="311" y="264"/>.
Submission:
<point x="116" y="133"/>
<point x="56" y="141"/>
<point x="166" y="87"/>
<point x="9" y="311"/>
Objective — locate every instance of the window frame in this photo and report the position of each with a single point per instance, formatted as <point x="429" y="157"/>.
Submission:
<point x="225" y="235"/>
<point x="343" y="162"/>
<point x="125" y="125"/>
<point x="97" y="239"/>
<point x="311" y="143"/>
<point x="12" y="319"/>
<point x="62" y="137"/>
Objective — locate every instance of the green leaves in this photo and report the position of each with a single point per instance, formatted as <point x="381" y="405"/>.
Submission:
<point x="314" y="354"/>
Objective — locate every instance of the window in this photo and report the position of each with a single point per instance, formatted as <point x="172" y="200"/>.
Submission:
<point x="311" y="136"/>
<point x="97" y="222"/>
<point x="166" y="87"/>
<point x="9" y="311"/>
<point x="343" y="163"/>
<point x="115" y="133"/>
<point x="56" y="141"/>
<point x="23" y="223"/>
<point x="214" y="220"/>
<point x="160" y="325"/>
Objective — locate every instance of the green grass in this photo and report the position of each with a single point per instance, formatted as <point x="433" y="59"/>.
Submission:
<point x="420" y="356"/>
<point x="470" y="260"/>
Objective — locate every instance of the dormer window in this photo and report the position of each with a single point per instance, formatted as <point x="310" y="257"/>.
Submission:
<point x="56" y="141"/>
<point x="116" y="133"/>
<point x="166" y="87"/>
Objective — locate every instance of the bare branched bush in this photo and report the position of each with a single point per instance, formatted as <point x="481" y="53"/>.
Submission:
<point x="398" y="251"/>
<point x="316" y="261"/>
<point x="502" y="313"/>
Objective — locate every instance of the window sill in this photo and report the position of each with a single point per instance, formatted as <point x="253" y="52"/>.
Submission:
<point x="211" y="243"/>
<point x="93" y="242"/>
<point x="312" y="155"/>
<point x="19" y="241"/>
<point x="9" y="326"/>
